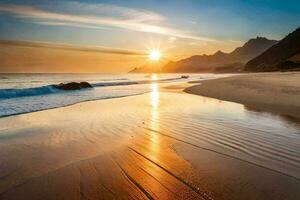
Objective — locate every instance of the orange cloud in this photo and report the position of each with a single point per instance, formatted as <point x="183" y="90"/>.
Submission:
<point x="108" y="50"/>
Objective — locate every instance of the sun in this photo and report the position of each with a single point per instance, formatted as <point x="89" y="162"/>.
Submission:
<point x="154" y="55"/>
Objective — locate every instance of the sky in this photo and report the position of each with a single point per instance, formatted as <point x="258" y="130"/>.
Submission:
<point x="116" y="35"/>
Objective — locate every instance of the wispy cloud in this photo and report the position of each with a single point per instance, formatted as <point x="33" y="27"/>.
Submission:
<point x="111" y="16"/>
<point x="98" y="49"/>
<point x="115" y="11"/>
<point x="55" y="23"/>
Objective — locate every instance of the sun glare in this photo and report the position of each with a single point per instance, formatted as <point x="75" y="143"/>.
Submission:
<point x="154" y="55"/>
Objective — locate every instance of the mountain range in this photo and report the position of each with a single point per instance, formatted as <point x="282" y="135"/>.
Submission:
<point x="219" y="61"/>
<point x="258" y="54"/>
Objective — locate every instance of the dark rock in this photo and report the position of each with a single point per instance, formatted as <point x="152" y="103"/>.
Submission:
<point x="288" y="65"/>
<point x="73" y="86"/>
<point x="85" y="85"/>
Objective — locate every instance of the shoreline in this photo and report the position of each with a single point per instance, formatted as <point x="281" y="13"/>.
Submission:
<point x="178" y="146"/>
<point x="278" y="93"/>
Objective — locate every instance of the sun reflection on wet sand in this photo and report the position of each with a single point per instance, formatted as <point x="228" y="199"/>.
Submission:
<point x="154" y="115"/>
<point x="154" y="96"/>
<point x="154" y="142"/>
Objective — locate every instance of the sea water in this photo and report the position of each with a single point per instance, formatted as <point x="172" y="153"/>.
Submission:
<point x="23" y="93"/>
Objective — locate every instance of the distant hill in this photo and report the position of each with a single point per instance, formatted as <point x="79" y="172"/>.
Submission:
<point x="219" y="62"/>
<point x="147" y="68"/>
<point x="280" y="57"/>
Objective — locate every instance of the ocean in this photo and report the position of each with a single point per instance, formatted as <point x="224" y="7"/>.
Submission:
<point x="24" y="93"/>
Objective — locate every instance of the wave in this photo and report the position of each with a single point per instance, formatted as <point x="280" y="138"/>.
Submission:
<point x="103" y="84"/>
<point x="106" y="84"/>
<point x="13" y="93"/>
<point x="50" y="89"/>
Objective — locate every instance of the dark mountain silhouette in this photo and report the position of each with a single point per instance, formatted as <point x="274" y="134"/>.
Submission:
<point x="148" y="68"/>
<point x="218" y="62"/>
<point x="282" y="56"/>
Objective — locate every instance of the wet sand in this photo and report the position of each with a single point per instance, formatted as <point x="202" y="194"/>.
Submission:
<point x="275" y="92"/>
<point x="161" y="145"/>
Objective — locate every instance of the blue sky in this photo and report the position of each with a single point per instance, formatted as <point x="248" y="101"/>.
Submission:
<point x="197" y="26"/>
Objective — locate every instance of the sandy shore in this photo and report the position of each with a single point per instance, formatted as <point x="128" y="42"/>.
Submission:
<point x="159" y="145"/>
<point x="275" y="92"/>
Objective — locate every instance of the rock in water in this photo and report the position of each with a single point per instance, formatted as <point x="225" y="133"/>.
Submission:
<point x="85" y="85"/>
<point x="73" y="86"/>
<point x="183" y="76"/>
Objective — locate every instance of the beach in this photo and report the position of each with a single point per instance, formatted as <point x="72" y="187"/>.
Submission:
<point x="275" y="92"/>
<point x="161" y="144"/>
<point x="149" y="100"/>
